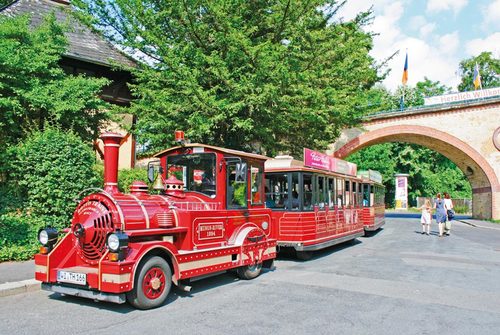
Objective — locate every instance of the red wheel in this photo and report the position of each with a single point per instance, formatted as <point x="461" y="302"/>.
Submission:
<point x="152" y="284"/>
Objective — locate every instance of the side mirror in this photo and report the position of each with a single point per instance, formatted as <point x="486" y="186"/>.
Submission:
<point x="151" y="172"/>
<point x="241" y="173"/>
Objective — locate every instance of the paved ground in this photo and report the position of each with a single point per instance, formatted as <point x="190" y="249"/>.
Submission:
<point x="394" y="282"/>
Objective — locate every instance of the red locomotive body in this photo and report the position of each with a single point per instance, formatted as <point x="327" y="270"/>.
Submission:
<point x="209" y="217"/>
<point x="313" y="208"/>
<point x="373" y="215"/>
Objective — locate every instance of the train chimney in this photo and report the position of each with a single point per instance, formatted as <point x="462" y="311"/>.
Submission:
<point x="111" y="151"/>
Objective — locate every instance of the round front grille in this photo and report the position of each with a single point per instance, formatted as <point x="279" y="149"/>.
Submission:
<point x="92" y="224"/>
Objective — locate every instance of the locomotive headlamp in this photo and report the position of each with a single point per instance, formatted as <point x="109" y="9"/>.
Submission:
<point x="47" y="236"/>
<point x="117" y="241"/>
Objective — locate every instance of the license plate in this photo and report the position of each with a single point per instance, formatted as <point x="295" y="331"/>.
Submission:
<point x="72" y="277"/>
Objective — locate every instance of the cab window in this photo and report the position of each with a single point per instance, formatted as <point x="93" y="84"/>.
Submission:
<point x="256" y="182"/>
<point x="196" y="171"/>
<point x="236" y="187"/>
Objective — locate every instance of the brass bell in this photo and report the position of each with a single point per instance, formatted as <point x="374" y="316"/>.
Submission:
<point x="158" y="184"/>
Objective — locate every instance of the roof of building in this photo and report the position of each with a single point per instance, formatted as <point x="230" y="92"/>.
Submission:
<point x="83" y="43"/>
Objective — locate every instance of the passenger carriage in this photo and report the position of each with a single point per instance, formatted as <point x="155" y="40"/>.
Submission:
<point x="315" y="203"/>
<point x="373" y="202"/>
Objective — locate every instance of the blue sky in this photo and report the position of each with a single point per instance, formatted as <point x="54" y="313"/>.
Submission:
<point x="437" y="33"/>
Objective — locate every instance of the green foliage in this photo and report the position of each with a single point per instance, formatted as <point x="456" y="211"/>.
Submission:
<point x="35" y="91"/>
<point x="18" y="236"/>
<point x="52" y="167"/>
<point x="242" y="74"/>
<point x="5" y="2"/>
<point x="430" y="172"/>
<point x="489" y="69"/>
<point x="127" y="176"/>
<point x="382" y="99"/>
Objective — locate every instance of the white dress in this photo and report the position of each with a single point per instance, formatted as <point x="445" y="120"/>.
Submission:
<point x="426" y="216"/>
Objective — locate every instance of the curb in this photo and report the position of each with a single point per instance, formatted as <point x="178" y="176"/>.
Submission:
<point x="24" y="286"/>
<point x="478" y="226"/>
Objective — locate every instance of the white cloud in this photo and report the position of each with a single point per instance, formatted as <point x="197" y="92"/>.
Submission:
<point x="492" y="13"/>
<point x="445" y="5"/>
<point x="448" y="44"/>
<point x="490" y="43"/>
<point x="416" y="22"/>
<point x="427" y="29"/>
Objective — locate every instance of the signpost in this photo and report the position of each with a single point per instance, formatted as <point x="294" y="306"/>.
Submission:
<point x="401" y="191"/>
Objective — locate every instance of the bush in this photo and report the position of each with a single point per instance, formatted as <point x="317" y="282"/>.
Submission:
<point x="52" y="168"/>
<point x="18" y="236"/>
<point x="128" y="176"/>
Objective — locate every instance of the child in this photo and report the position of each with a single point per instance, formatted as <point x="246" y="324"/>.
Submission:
<point x="426" y="217"/>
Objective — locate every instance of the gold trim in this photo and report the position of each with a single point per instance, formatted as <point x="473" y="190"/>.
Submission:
<point x="204" y="263"/>
<point x="116" y="279"/>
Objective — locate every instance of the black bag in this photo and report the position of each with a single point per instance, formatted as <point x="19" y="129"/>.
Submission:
<point x="451" y="214"/>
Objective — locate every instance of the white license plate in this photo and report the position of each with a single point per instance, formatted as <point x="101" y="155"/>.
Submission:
<point x="72" y="277"/>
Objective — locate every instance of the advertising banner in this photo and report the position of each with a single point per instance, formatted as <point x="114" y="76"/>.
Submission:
<point x="401" y="191"/>
<point x="322" y="161"/>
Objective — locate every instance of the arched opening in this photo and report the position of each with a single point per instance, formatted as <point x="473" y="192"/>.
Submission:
<point x="481" y="176"/>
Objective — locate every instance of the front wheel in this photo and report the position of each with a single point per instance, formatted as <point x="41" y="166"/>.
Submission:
<point x="152" y="284"/>
<point x="248" y="272"/>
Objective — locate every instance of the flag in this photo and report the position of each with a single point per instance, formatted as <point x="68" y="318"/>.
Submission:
<point x="477" y="78"/>
<point x="405" y="71"/>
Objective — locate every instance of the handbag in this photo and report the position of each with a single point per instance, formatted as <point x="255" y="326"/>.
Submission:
<point x="450" y="213"/>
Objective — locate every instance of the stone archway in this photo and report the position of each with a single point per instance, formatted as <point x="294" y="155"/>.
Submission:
<point x="482" y="177"/>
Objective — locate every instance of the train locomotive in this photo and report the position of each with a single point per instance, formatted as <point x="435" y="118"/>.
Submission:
<point x="209" y="217"/>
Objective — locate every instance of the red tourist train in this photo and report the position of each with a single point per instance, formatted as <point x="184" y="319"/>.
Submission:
<point x="213" y="213"/>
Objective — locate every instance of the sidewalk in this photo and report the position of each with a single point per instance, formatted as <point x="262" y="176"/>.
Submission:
<point x="17" y="277"/>
<point x="480" y="223"/>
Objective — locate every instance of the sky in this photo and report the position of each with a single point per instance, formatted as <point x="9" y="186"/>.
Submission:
<point x="438" y="34"/>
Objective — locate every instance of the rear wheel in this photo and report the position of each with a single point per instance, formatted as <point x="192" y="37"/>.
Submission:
<point x="249" y="271"/>
<point x="152" y="284"/>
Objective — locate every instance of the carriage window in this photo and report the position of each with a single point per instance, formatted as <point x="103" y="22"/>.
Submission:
<point x="366" y="195"/>
<point x="331" y="192"/>
<point x="320" y="196"/>
<point x="236" y="191"/>
<point x="294" y="204"/>
<point x="276" y="190"/>
<point x="354" y="193"/>
<point x="196" y="171"/>
<point x="256" y="182"/>
<point x="340" y="192"/>
<point x="347" y="194"/>
<point x="307" y="191"/>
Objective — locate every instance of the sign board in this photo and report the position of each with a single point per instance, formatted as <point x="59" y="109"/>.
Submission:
<point x="372" y="175"/>
<point x="462" y="96"/>
<point x="401" y="191"/>
<point x="321" y="161"/>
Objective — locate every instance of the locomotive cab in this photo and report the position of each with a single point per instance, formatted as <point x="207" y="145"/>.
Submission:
<point x="208" y="217"/>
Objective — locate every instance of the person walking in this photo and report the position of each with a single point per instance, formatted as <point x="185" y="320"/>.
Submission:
<point x="448" y="206"/>
<point x="440" y="213"/>
<point x="426" y="217"/>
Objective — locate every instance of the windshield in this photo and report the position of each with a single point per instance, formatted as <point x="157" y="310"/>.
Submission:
<point x="196" y="171"/>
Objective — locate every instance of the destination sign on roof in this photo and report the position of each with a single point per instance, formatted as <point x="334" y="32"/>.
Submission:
<point x="321" y="161"/>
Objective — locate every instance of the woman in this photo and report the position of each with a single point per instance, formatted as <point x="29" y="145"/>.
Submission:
<point x="440" y="213"/>
<point x="448" y="206"/>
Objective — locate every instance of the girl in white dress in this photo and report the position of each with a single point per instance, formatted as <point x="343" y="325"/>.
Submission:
<point x="426" y="217"/>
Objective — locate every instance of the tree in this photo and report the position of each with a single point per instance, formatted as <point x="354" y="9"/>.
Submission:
<point x="4" y="3"/>
<point x="242" y="74"/>
<point x="489" y="69"/>
<point x="35" y="91"/>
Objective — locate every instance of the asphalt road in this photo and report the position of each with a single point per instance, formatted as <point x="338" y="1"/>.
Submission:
<point x="394" y="282"/>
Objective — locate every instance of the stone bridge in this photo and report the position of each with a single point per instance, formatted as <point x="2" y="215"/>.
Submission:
<point x="468" y="133"/>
